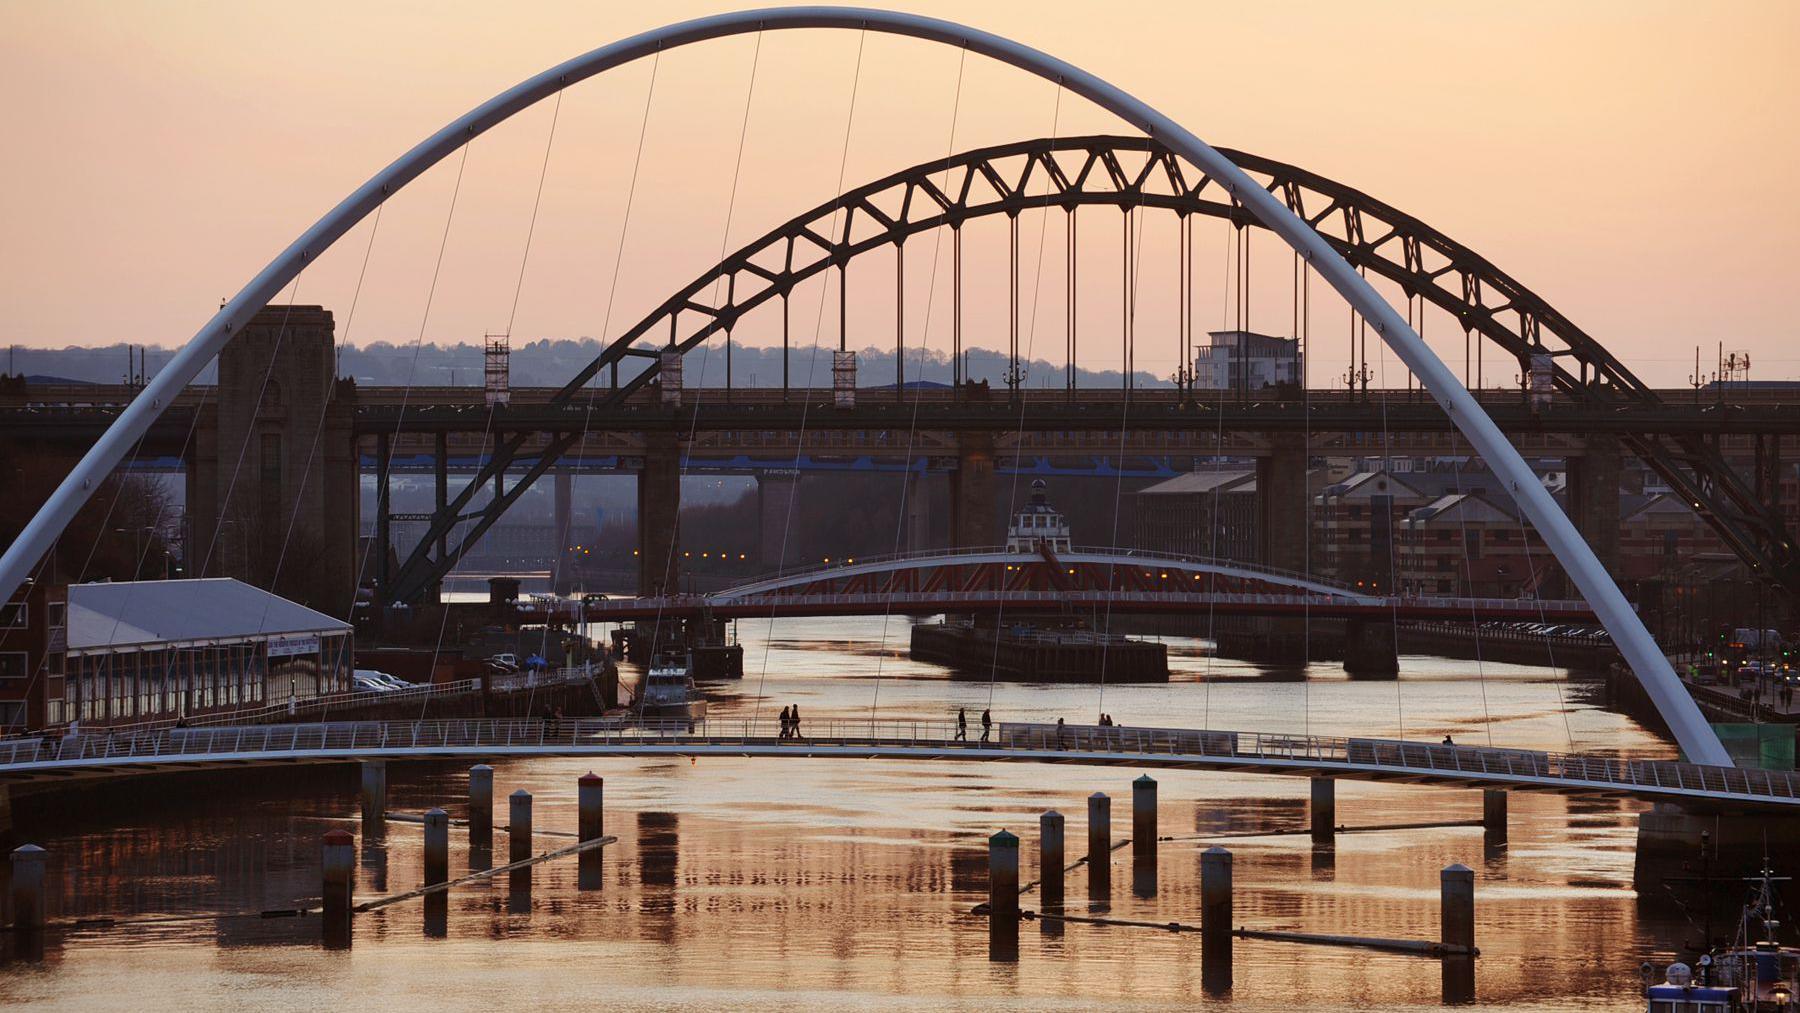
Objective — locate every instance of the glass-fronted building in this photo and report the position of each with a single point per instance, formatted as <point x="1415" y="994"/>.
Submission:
<point x="140" y="651"/>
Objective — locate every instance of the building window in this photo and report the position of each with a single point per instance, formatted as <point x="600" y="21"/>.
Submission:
<point x="14" y="615"/>
<point x="14" y="665"/>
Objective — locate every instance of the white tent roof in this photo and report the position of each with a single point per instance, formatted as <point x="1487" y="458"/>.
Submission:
<point x="142" y="613"/>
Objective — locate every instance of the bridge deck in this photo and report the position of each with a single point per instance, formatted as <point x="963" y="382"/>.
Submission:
<point x="92" y="755"/>
<point x="924" y="603"/>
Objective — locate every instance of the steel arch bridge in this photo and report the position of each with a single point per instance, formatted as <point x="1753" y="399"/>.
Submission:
<point x="1315" y="248"/>
<point x="1129" y="173"/>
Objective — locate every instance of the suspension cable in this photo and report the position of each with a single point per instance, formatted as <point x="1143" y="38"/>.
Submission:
<point x="737" y="169"/>
<point x="1228" y="293"/>
<point x="838" y="213"/>
<point x="906" y="472"/>
<point x="384" y="467"/>
<point x="1012" y="488"/>
<point x="1132" y="256"/>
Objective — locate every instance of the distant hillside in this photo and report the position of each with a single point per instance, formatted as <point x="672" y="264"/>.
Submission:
<point x="548" y="363"/>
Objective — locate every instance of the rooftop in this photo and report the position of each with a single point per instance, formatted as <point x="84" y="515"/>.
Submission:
<point x="1209" y="481"/>
<point x="144" y="612"/>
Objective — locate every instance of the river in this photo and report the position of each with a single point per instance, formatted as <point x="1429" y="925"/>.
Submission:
<point x="769" y="884"/>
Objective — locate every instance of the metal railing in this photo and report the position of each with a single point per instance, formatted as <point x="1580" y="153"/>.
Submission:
<point x="1569" y="771"/>
<point x="515" y="681"/>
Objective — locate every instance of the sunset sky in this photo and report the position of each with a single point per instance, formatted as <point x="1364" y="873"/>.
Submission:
<point x="1631" y="161"/>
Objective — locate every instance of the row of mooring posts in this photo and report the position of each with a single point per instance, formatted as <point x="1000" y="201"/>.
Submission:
<point x="338" y="860"/>
<point x="1455" y="947"/>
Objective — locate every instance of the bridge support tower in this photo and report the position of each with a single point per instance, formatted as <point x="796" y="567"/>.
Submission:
<point x="777" y="494"/>
<point x="1284" y="525"/>
<point x="1593" y="496"/>
<point x="659" y="515"/>
<point x="563" y="489"/>
<point x="258" y="498"/>
<point x="974" y="491"/>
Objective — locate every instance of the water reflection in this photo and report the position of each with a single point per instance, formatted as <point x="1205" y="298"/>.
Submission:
<point x="659" y="855"/>
<point x="736" y="882"/>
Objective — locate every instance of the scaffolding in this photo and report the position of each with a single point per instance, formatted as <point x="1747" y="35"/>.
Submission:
<point x="497" y="369"/>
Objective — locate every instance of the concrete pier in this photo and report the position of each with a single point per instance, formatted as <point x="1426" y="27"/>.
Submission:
<point x="1323" y="810"/>
<point x="1051" y="862"/>
<point x="481" y="817"/>
<point x="518" y="840"/>
<point x="590" y="794"/>
<point x="1456" y="899"/>
<point x="1370" y="648"/>
<point x="337" y="884"/>
<point x="437" y="870"/>
<point x="28" y="876"/>
<point x="374" y="794"/>
<point x="518" y="826"/>
<point x="1215" y="920"/>
<point x="437" y="846"/>
<point x="1457" y="928"/>
<point x="1099" y="849"/>
<point x="1143" y="836"/>
<point x="1003" y="897"/>
<point x="659" y="515"/>
<point x="1493" y="816"/>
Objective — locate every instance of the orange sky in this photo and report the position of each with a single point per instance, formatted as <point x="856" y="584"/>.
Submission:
<point x="1631" y="161"/>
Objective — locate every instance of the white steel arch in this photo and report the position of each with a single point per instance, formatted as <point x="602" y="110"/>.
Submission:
<point x="1672" y="701"/>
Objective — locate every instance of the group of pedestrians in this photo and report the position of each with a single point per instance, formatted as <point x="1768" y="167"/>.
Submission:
<point x="790" y="722"/>
<point x="962" y="724"/>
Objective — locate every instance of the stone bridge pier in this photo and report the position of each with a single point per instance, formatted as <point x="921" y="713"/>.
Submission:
<point x="777" y="496"/>
<point x="264" y="504"/>
<point x="659" y="515"/>
<point x="1593" y="497"/>
<point x="1283" y="527"/>
<point x="974" y="494"/>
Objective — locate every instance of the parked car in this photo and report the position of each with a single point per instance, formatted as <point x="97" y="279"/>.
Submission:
<point x="365" y="681"/>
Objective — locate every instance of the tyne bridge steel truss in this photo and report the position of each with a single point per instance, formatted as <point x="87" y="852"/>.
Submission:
<point x="1127" y="173"/>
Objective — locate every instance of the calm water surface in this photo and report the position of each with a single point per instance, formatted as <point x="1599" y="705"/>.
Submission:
<point x="825" y="883"/>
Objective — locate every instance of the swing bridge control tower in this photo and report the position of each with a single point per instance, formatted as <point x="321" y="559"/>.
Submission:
<point x="1056" y="644"/>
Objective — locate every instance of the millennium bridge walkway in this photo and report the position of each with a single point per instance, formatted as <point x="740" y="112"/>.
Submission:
<point x="97" y="755"/>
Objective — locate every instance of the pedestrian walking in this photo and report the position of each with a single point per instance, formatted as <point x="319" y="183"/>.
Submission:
<point x="1059" y="733"/>
<point x="987" y="723"/>
<point x="785" y="721"/>
<point x="962" y="725"/>
<point x="794" y="723"/>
